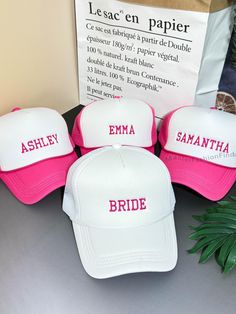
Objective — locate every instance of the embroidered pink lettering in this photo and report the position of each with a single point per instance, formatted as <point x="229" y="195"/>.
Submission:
<point x="226" y="149"/>
<point x="202" y="141"/>
<point x="121" y="130"/>
<point x="50" y="140"/>
<point x="183" y="140"/>
<point x="178" y="138"/>
<point x="190" y="139"/>
<point x="197" y="141"/>
<point x="23" y="148"/>
<point x="39" y="143"/>
<point x="219" y="146"/>
<point x="212" y="143"/>
<point x="127" y="205"/>
<point x="205" y="142"/>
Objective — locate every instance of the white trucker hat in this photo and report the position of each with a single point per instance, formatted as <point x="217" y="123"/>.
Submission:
<point x="121" y="121"/>
<point x="36" y="152"/>
<point x="121" y="202"/>
<point x="199" y="149"/>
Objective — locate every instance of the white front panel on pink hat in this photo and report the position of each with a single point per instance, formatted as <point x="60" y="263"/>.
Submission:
<point x="131" y="188"/>
<point x="203" y="133"/>
<point x="117" y="121"/>
<point x="31" y="135"/>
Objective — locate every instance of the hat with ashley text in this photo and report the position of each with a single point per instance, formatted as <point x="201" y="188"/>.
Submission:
<point x="115" y="121"/>
<point x="122" y="216"/>
<point x="199" y="149"/>
<point x="35" y="152"/>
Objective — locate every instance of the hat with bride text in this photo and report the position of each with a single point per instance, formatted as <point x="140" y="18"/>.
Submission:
<point x="115" y="121"/>
<point x="121" y="202"/>
<point x="199" y="149"/>
<point x="35" y="152"/>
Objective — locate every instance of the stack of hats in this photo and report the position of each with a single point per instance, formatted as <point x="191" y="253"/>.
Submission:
<point x="119" y="195"/>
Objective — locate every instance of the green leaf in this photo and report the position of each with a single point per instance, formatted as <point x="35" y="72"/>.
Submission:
<point x="201" y="233"/>
<point x="215" y="225"/>
<point x="231" y="260"/>
<point x="232" y="205"/>
<point x="202" y="243"/>
<point x="217" y="258"/>
<point x="211" y="249"/>
<point x="222" y="217"/>
<point x="192" y="227"/>
<point x="216" y="233"/>
<point x="222" y="209"/>
<point x="224" y="202"/>
<point x="225" y="250"/>
<point x="198" y="218"/>
<point x="229" y="205"/>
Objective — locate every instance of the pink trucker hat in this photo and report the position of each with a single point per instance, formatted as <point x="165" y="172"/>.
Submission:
<point x="199" y="149"/>
<point x="123" y="216"/>
<point x="35" y="152"/>
<point x="121" y="121"/>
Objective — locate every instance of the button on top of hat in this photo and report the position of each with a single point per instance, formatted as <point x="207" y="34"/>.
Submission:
<point x="116" y="146"/>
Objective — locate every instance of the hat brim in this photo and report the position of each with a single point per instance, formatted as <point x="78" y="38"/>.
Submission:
<point x="86" y="150"/>
<point x="107" y="252"/>
<point x="32" y="183"/>
<point x="210" y="180"/>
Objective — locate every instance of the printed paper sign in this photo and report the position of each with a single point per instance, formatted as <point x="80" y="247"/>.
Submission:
<point x="149" y="53"/>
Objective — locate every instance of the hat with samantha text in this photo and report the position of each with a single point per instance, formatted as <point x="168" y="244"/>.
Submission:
<point x="199" y="149"/>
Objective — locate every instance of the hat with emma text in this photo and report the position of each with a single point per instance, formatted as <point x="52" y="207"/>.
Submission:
<point x="115" y="121"/>
<point x="199" y="149"/>
<point x="35" y="152"/>
<point x="123" y="216"/>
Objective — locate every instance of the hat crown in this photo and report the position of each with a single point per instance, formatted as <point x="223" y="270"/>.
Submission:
<point x="118" y="188"/>
<point x="203" y="133"/>
<point x="31" y="135"/>
<point x="117" y="121"/>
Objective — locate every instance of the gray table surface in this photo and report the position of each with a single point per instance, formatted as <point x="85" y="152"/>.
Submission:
<point x="41" y="272"/>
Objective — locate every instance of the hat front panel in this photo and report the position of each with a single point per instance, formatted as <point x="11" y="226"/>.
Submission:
<point x="31" y="135"/>
<point x="123" y="188"/>
<point x="203" y="133"/>
<point x="118" y="121"/>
